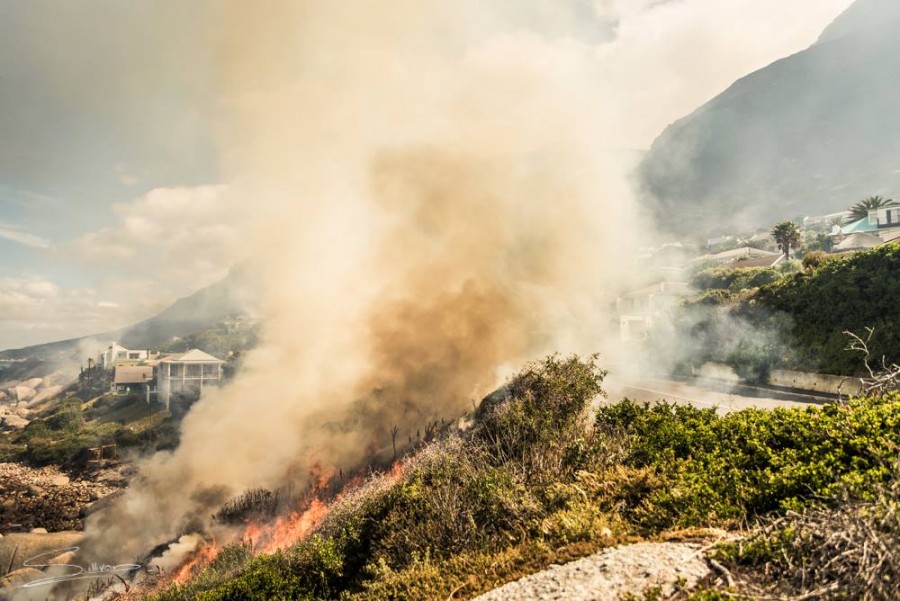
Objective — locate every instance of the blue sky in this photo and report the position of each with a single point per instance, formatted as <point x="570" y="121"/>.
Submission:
<point x="109" y="112"/>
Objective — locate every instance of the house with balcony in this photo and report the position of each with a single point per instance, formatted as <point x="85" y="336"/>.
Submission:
<point x="187" y="373"/>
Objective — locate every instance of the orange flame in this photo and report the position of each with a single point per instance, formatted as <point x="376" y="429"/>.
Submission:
<point x="202" y="558"/>
<point x="287" y="530"/>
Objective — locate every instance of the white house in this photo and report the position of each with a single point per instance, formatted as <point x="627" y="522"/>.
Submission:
<point x="116" y="354"/>
<point x="641" y="309"/>
<point x="189" y="372"/>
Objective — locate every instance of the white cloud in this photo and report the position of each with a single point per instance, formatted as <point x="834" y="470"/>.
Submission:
<point x="33" y="309"/>
<point x="174" y="236"/>
<point x="668" y="58"/>
<point x="165" y="244"/>
<point x="16" y="234"/>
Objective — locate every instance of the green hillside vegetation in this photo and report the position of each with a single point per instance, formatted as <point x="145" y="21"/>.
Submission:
<point x="722" y="284"/>
<point x="757" y="319"/>
<point x="529" y="485"/>
<point x="846" y="294"/>
<point x="65" y="432"/>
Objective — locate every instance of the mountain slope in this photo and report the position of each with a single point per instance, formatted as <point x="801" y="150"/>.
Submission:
<point x="809" y="134"/>
<point x="232" y="295"/>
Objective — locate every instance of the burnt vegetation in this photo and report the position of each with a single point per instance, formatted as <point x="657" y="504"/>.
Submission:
<point x="540" y="478"/>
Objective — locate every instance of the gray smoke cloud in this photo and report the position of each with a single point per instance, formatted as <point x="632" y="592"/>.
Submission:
<point x="429" y="201"/>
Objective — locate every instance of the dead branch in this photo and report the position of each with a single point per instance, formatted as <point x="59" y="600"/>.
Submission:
<point x="881" y="380"/>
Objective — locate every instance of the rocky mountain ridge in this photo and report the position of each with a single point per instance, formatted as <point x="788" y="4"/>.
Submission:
<point x="810" y="134"/>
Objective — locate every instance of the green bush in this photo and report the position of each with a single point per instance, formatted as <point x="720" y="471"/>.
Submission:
<point x="815" y="259"/>
<point x="66" y="417"/>
<point x="722" y="470"/>
<point x="736" y="279"/>
<point x="850" y="293"/>
<point x="536" y="423"/>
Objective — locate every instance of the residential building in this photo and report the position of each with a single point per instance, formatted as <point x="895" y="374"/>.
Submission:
<point x="857" y="241"/>
<point x="883" y="222"/>
<point x="737" y="254"/>
<point x="640" y="310"/>
<point x="133" y="379"/>
<point x="189" y="372"/>
<point x="116" y="354"/>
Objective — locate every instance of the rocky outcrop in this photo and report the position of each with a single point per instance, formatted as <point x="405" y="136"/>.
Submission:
<point x="46" y="498"/>
<point x="610" y="575"/>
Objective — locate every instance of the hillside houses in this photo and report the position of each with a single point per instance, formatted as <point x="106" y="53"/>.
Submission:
<point x="148" y="374"/>
<point x="882" y="223"/>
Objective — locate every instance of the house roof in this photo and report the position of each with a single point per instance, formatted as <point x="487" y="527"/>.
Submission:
<point x="194" y="356"/>
<point x="745" y="252"/>
<point x="858" y="240"/>
<point x="767" y="261"/>
<point x="668" y="288"/>
<point x="858" y="227"/>
<point x="133" y="374"/>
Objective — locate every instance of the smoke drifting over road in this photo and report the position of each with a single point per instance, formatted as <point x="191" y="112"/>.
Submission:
<point x="428" y="204"/>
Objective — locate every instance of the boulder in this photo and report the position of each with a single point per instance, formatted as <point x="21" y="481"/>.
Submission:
<point x="59" y="480"/>
<point x="63" y="558"/>
<point x="39" y="531"/>
<point x="45" y="395"/>
<point x="13" y="422"/>
<point x="19" y="577"/>
<point x="33" y="383"/>
<point x="24" y="393"/>
<point x="36" y="491"/>
<point x="31" y="545"/>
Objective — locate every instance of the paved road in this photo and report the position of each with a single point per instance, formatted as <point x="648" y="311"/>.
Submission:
<point x="706" y="394"/>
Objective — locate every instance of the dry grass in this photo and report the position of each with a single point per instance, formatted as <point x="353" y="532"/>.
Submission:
<point x="851" y="551"/>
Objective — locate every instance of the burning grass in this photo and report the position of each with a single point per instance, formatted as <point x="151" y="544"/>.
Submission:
<point x="527" y="485"/>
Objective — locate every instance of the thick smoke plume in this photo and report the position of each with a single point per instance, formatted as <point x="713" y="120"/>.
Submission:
<point x="428" y="203"/>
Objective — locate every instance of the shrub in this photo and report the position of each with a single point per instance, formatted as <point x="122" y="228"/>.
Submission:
<point x="67" y="417"/>
<point x="536" y="423"/>
<point x="814" y="260"/>
<point x="736" y="279"/>
<point x="722" y="470"/>
<point x="849" y="551"/>
<point x="842" y="294"/>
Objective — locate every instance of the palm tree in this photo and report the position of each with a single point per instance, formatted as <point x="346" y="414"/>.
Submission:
<point x="787" y="235"/>
<point x="861" y="209"/>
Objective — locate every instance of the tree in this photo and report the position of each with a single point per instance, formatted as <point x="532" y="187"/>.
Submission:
<point x="861" y="209"/>
<point x="787" y="236"/>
